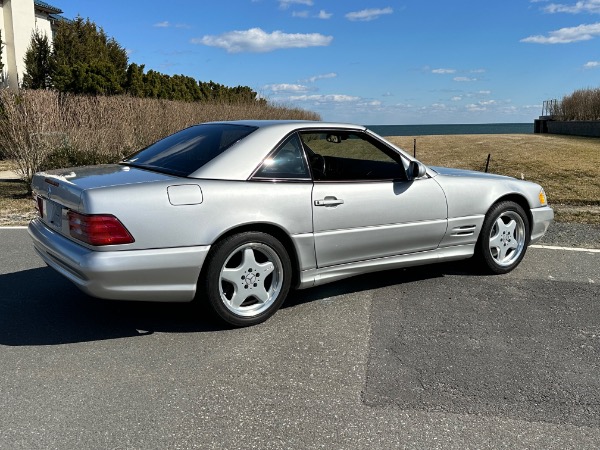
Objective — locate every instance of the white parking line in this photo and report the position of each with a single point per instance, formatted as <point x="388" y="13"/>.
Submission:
<point x="13" y="228"/>
<point x="571" y="249"/>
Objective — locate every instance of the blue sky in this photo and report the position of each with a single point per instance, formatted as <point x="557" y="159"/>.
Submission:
<point x="369" y="61"/>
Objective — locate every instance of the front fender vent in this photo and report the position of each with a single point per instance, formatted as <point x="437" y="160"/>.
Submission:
<point x="464" y="230"/>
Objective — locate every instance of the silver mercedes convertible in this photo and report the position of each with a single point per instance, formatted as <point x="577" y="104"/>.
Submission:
<point x="237" y="213"/>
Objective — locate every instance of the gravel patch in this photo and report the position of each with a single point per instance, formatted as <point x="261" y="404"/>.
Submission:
<point x="572" y="235"/>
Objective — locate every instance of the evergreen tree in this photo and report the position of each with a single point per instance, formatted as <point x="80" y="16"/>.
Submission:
<point x="86" y="61"/>
<point x="134" y="84"/>
<point x="37" y="62"/>
<point x="152" y="84"/>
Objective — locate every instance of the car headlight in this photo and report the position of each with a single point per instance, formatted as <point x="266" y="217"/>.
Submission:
<point x="543" y="200"/>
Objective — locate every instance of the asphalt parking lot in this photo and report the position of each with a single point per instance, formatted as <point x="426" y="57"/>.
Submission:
<point x="431" y="357"/>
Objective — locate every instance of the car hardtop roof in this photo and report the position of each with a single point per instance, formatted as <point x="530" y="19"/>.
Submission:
<point x="291" y="124"/>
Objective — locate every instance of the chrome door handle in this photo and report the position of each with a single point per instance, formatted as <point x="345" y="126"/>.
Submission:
<point x="329" y="201"/>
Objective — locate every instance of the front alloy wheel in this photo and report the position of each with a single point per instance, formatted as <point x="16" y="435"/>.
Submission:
<point x="504" y="237"/>
<point x="248" y="278"/>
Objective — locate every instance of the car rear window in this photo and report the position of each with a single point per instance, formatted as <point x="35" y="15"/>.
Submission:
<point x="186" y="151"/>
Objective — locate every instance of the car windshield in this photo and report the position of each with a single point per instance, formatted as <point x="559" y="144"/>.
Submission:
<point x="185" y="152"/>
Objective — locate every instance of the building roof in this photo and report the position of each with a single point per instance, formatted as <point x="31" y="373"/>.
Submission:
<point x="46" y="7"/>
<point x="59" y="18"/>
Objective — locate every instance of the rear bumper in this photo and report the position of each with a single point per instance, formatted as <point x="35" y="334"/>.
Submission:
<point x="169" y="274"/>
<point x="542" y="218"/>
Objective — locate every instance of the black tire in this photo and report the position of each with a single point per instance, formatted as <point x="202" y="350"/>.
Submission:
<point x="247" y="278"/>
<point x="503" y="239"/>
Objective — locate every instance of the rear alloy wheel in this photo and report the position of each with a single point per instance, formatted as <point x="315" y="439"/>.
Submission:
<point x="504" y="238"/>
<point x="248" y="278"/>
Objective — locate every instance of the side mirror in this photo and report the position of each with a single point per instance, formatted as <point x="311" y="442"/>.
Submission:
<point x="415" y="170"/>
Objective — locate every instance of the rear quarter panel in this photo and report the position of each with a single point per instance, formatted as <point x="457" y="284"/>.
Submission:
<point x="146" y="211"/>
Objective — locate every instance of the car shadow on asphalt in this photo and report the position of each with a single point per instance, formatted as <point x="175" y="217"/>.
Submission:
<point x="376" y="280"/>
<point x="40" y="307"/>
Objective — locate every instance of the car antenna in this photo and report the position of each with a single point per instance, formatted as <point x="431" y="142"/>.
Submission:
<point x="415" y="148"/>
<point x="487" y="164"/>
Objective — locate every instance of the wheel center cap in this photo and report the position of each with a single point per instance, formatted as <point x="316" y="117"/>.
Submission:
<point x="250" y="278"/>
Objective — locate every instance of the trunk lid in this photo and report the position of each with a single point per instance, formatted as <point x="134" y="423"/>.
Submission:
<point x="58" y="191"/>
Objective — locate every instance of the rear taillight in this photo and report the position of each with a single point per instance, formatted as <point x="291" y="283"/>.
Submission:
<point x="98" y="229"/>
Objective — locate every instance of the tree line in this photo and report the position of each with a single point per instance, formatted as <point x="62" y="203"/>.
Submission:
<point x="84" y="60"/>
<point x="582" y="104"/>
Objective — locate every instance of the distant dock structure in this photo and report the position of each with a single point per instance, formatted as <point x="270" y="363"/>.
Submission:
<point x="550" y="123"/>
<point x="549" y="108"/>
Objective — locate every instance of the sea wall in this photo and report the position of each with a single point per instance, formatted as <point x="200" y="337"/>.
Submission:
<point x="589" y="128"/>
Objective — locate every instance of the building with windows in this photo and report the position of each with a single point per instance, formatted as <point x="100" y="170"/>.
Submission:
<point x="18" y="20"/>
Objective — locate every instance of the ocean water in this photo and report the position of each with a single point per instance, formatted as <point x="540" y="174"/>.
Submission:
<point x="427" y="130"/>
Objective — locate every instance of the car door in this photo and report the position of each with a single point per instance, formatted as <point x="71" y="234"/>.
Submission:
<point x="364" y="207"/>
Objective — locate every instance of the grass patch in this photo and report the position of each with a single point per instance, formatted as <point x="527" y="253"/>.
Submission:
<point x="16" y="205"/>
<point x="566" y="166"/>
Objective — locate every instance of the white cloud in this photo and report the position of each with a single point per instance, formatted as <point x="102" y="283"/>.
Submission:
<point x="321" y="77"/>
<point x="167" y="24"/>
<point x="335" y="98"/>
<point x="284" y="87"/>
<point x="285" y="4"/>
<point x="464" y="79"/>
<point x="441" y="112"/>
<point x="475" y="107"/>
<point x="367" y="15"/>
<point x="481" y="106"/>
<point x="256" y="40"/>
<point x="324" y="15"/>
<point x="591" y="64"/>
<point x="456" y="98"/>
<point x="439" y="106"/>
<point x="586" y="6"/>
<point x="567" y="35"/>
<point x="443" y="71"/>
<point x="477" y="94"/>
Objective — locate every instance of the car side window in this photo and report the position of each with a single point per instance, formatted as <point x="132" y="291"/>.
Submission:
<point x="287" y="162"/>
<point x="350" y="156"/>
